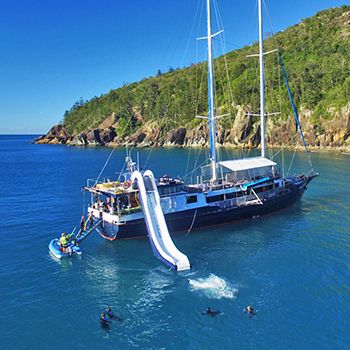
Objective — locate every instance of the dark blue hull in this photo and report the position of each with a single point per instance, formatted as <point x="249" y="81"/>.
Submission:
<point x="208" y="216"/>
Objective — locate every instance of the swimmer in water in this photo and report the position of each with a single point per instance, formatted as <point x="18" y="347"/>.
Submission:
<point x="211" y="312"/>
<point x="104" y="321"/>
<point x="250" y="311"/>
<point x="111" y="314"/>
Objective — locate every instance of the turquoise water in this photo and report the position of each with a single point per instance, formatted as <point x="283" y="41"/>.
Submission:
<point x="292" y="266"/>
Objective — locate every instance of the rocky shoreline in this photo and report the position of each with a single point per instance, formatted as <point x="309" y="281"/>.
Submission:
<point x="328" y="135"/>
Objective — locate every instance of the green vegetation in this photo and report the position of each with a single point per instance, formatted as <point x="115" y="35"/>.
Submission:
<point x="316" y="56"/>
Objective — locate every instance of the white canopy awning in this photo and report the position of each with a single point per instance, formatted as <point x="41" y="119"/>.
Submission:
<point x="247" y="163"/>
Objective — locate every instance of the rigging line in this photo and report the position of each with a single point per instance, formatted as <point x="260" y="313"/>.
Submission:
<point x="198" y="65"/>
<point x="292" y="139"/>
<point x="201" y="83"/>
<point x="229" y="83"/>
<point x="219" y="73"/>
<point x="229" y="156"/>
<point x="270" y="22"/>
<point x="104" y="166"/>
<point x="288" y="89"/>
<point x="85" y="119"/>
<point x="224" y="50"/>
<point x="295" y="111"/>
<point x="177" y="37"/>
<point x="277" y="47"/>
<point x="121" y="172"/>
<point x="222" y="85"/>
<point x="226" y="42"/>
<point x="196" y="160"/>
<point x="189" y="151"/>
<point x="148" y="157"/>
<point x="199" y="166"/>
<point x="220" y="81"/>
<point x="190" y="36"/>
<point x="190" y="229"/>
<point x="110" y="155"/>
<point x="291" y="162"/>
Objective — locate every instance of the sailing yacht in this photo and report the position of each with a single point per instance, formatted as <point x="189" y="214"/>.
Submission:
<point x="227" y="190"/>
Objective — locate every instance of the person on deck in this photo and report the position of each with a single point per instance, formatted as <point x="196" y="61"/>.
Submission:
<point x="82" y="223"/>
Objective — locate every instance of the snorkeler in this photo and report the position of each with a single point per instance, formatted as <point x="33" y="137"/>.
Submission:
<point x="250" y="310"/>
<point x="111" y="314"/>
<point x="211" y="312"/>
<point x="104" y="320"/>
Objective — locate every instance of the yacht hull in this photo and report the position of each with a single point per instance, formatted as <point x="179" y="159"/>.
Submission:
<point x="206" y="216"/>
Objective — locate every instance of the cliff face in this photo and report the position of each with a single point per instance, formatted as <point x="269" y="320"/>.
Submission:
<point x="160" y="111"/>
<point x="244" y="132"/>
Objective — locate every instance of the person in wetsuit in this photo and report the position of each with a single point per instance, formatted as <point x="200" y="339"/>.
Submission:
<point x="104" y="321"/>
<point x="250" y="311"/>
<point x="111" y="314"/>
<point x="211" y="312"/>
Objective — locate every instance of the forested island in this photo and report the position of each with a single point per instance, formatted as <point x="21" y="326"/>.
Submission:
<point x="160" y="110"/>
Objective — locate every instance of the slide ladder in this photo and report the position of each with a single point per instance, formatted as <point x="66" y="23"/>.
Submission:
<point x="162" y="244"/>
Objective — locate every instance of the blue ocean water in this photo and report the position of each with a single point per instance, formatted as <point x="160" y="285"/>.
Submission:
<point x="293" y="266"/>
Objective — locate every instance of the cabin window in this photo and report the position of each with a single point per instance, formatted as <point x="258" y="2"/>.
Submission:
<point x="191" y="199"/>
<point x="215" y="198"/>
<point x="263" y="188"/>
<point x="222" y="197"/>
<point x="234" y="195"/>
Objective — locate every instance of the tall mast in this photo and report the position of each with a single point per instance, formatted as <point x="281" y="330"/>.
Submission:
<point x="211" y="119"/>
<point x="262" y="81"/>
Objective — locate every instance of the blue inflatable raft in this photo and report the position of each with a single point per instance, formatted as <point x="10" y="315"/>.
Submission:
<point x="55" y="249"/>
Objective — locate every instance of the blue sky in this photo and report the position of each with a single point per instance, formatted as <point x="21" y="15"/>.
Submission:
<point x="54" y="52"/>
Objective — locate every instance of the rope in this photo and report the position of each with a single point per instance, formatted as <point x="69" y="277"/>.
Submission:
<point x="148" y="157"/>
<point x="291" y="162"/>
<point x="103" y="168"/>
<point x="110" y="155"/>
<point x="197" y="168"/>
<point x="194" y="218"/>
<point x="296" y="116"/>
<point x="290" y="95"/>
<point x="281" y="149"/>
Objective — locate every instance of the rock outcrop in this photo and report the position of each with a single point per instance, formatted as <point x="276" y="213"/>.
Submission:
<point x="245" y="132"/>
<point x="56" y="135"/>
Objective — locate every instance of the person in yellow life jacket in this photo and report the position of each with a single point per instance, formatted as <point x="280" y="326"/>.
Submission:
<point x="64" y="240"/>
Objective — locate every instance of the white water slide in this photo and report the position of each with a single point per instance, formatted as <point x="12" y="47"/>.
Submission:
<point x="162" y="244"/>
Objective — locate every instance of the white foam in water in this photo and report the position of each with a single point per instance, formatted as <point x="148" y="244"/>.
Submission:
<point x="213" y="287"/>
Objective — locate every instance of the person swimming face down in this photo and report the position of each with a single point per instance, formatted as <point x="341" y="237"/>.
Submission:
<point x="109" y="312"/>
<point x="211" y="312"/>
<point x="104" y="318"/>
<point x="104" y="322"/>
<point x="250" y="310"/>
